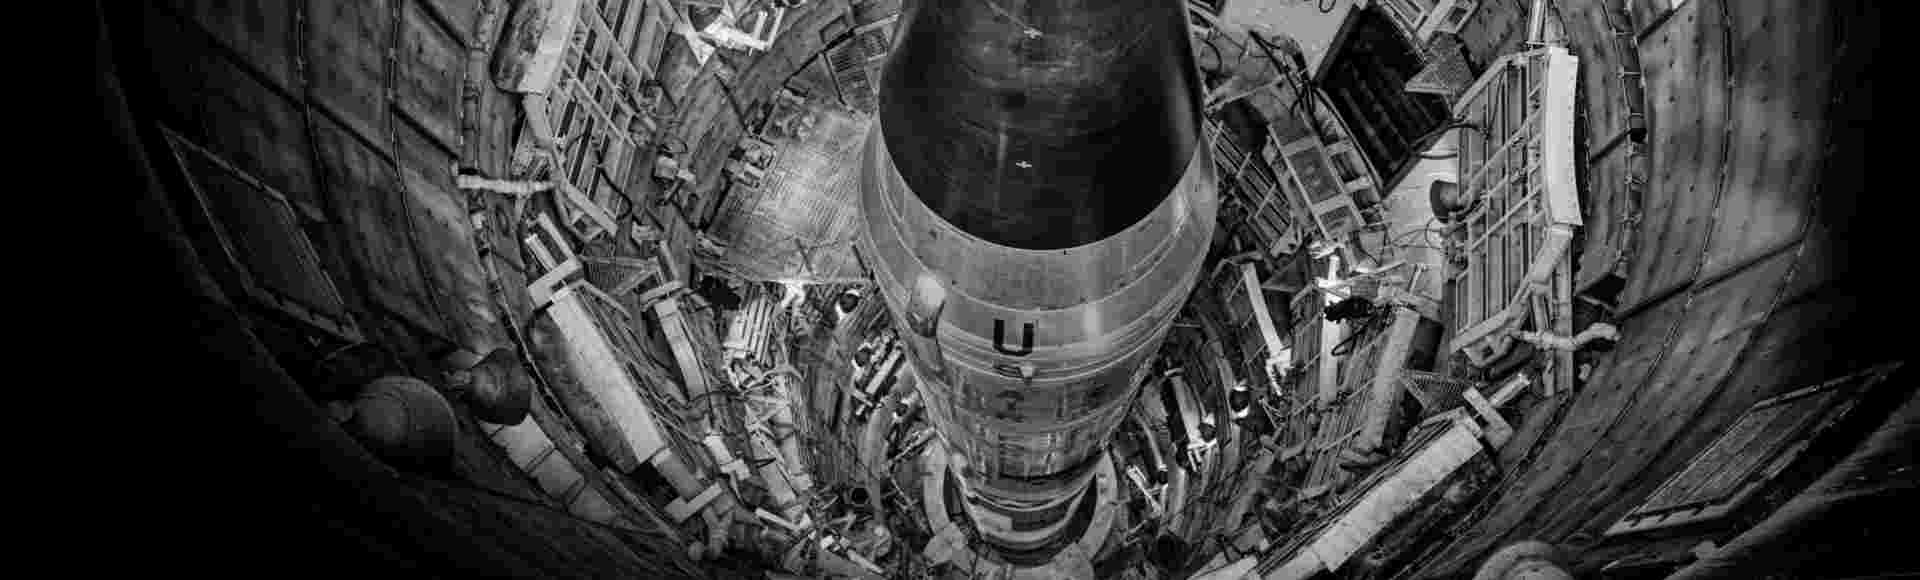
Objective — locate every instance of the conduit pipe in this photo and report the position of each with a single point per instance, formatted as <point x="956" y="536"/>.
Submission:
<point x="1619" y="15"/>
<point x="1551" y="341"/>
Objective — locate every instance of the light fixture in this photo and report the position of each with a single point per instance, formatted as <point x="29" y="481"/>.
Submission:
<point x="1240" y="401"/>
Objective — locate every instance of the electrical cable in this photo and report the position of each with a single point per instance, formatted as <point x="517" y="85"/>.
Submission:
<point x="1460" y="122"/>
<point x="1374" y="319"/>
<point x="1219" y="56"/>
<point x="1425" y="229"/>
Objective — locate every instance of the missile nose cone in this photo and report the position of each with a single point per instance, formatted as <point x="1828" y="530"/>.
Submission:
<point x="1041" y="124"/>
<point x="1037" y="203"/>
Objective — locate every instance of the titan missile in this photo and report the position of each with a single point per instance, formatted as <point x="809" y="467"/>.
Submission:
<point x="1037" y="204"/>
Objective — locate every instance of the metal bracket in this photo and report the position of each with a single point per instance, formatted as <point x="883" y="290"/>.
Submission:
<point x="1497" y="430"/>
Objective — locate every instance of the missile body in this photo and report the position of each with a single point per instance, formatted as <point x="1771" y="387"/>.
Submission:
<point x="1037" y="204"/>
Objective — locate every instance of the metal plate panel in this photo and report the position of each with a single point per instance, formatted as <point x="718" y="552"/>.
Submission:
<point x="443" y="236"/>
<point x="1714" y="333"/>
<point x="1794" y="346"/>
<point x="461" y="15"/>
<point x="1605" y="207"/>
<point x="261" y="132"/>
<point x="1686" y="76"/>
<point x="1608" y="389"/>
<point x="261" y="235"/>
<point x="1600" y="80"/>
<point x="261" y="31"/>
<point x="1791" y="349"/>
<point x="1701" y="359"/>
<point x="1778" y="124"/>
<point x="347" y="43"/>
<point x="523" y="443"/>
<point x="1783" y="424"/>
<point x="1496" y="28"/>
<point x="363" y="192"/>
<point x="801" y="222"/>
<point x="1718" y="479"/>
<point x="214" y="100"/>
<point x="1651" y="15"/>
<point x="427" y="74"/>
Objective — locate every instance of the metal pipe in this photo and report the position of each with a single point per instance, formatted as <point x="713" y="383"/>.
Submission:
<point x="1176" y="499"/>
<point x="1537" y="23"/>
<point x="1548" y="340"/>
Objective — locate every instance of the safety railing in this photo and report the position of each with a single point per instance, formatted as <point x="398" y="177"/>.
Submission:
<point x="1517" y="162"/>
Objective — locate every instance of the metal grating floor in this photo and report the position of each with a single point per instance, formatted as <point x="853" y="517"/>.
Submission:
<point x="800" y="224"/>
<point x="1749" y="453"/>
<point x="261" y="236"/>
